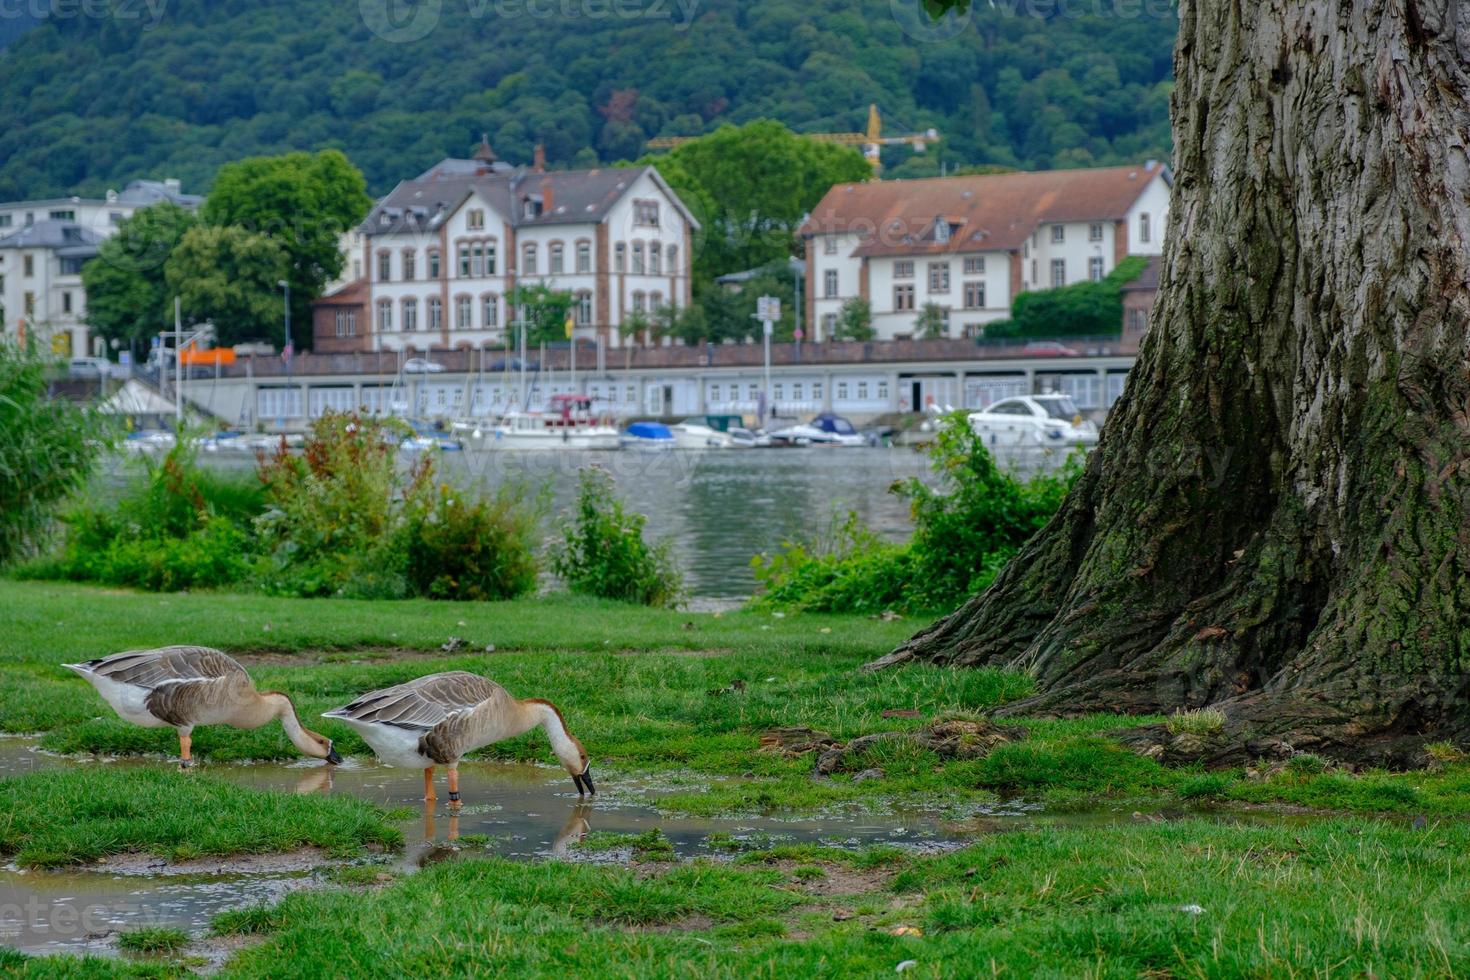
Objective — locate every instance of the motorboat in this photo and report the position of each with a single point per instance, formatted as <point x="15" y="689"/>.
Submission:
<point x="570" y="424"/>
<point x="648" y="437"/>
<point x="1031" y="421"/>
<point x="149" y="441"/>
<point x="697" y="433"/>
<point x="824" y="430"/>
<point x="425" y="438"/>
<point x="743" y="438"/>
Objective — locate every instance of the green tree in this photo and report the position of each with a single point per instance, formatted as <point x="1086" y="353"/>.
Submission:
<point x="1083" y="309"/>
<point x="127" y="297"/>
<point x="228" y="276"/>
<point x="854" y="321"/>
<point x="931" y="323"/>
<point x="757" y="182"/>
<point x="545" y="311"/>
<point x="303" y="201"/>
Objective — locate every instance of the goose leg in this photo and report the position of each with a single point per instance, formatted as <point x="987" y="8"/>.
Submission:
<point x="185" y="759"/>
<point x="429" y="784"/>
<point x="454" y="800"/>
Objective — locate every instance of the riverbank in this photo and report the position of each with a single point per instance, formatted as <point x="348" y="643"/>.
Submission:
<point x="724" y="717"/>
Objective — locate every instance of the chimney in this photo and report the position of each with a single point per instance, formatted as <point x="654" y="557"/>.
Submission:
<point x="547" y="204"/>
<point x="485" y="156"/>
<point x="538" y="162"/>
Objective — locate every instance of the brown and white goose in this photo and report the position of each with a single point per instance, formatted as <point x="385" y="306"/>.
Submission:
<point x="185" y="687"/>
<point x="438" y="719"/>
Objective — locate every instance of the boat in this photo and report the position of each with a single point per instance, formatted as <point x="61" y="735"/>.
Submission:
<point x="744" y="438"/>
<point x="1034" y="421"/>
<point x="695" y="433"/>
<point x="570" y="424"/>
<point x="648" y="437"/>
<point x="824" y="430"/>
<point x="149" y="441"/>
<point x="425" y="438"/>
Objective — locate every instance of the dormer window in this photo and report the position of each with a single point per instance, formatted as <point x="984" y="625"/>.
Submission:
<point x="532" y="207"/>
<point x="385" y="219"/>
<point x="941" y="231"/>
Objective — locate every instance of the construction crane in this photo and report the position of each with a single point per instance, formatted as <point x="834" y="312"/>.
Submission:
<point x="872" y="141"/>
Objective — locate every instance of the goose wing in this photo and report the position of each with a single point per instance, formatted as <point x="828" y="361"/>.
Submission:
<point x="167" y="665"/>
<point x="421" y="704"/>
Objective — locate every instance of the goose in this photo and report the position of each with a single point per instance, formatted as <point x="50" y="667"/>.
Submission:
<point x="438" y="719"/>
<point x="182" y="687"/>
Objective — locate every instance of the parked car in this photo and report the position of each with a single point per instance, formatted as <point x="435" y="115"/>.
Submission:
<point x="94" y="367"/>
<point x="422" y="365"/>
<point x="1034" y="420"/>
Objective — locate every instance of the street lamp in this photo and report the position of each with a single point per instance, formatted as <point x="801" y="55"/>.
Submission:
<point x="287" y="287"/>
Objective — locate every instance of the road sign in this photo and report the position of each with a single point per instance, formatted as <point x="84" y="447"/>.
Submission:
<point x="768" y="308"/>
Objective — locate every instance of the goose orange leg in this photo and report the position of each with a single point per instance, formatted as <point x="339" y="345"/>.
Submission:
<point x="185" y="759"/>
<point x="429" y="784"/>
<point x="454" y="800"/>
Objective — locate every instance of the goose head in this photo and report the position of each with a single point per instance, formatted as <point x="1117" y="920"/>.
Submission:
<point x="573" y="758"/>
<point x="307" y="742"/>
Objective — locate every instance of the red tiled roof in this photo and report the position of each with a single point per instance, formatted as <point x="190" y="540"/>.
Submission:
<point x="353" y="294"/>
<point x="986" y="211"/>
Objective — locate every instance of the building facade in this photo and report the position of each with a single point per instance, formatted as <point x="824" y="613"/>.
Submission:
<point x="970" y="245"/>
<point x="444" y="253"/>
<point x="43" y="246"/>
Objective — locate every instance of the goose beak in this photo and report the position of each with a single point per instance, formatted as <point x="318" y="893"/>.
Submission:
<point x="583" y="782"/>
<point x="333" y="756"/>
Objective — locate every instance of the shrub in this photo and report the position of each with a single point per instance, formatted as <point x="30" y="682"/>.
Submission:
<point x="965" y="530"/>
<point x="472" y="549"/>
<point x="602" y="551"/>
<point x="47" y="448"/>
<point x="1206" y="785"/>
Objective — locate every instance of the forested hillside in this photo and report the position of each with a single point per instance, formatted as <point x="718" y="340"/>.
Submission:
<point x="87" y="103"/>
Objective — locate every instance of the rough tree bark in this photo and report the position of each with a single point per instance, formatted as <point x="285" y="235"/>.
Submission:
<point x="1277" y="520"/>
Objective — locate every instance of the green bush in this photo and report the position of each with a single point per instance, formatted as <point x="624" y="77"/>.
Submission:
<point x="472" y="549"/>
<point x="965" y="531"/>
<point x="47" y="447"/>
<point x="602" y="551"/>
<point x="1083" y="309"/>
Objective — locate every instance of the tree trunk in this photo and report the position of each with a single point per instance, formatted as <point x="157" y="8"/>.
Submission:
<point x="1277" y="520"/>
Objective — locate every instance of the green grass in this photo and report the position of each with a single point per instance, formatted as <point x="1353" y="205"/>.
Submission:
<point x="153" y="939"/>
<point x="59" y="817"/>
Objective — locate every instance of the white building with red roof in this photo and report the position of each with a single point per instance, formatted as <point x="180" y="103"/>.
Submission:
<point x="971" y="244"/>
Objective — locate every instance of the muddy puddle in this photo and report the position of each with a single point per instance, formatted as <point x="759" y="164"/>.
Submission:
<point x="513" y="810"/>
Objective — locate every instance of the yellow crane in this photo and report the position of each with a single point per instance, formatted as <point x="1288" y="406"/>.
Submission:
<point x="871" y="141"/>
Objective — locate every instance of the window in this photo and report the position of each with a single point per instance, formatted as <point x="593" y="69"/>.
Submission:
<point x="410" y="314"/>
<point x="436" y="313"/>
<point x="796" y="391"/>
<point x="816" y="391"/>
<point x="63" y="216"/>
<point x="1035" y="276"/>
<point x="903" y="297"/>
<point x="491" y="312"/>
<point x="465" y="269"/>
<point x="842" y="391"/>
<point x="477" y="259"/>
<point x="1143" y="227"/>
<point x="829" y="325"/>
<point x="883" y="390"/>
<point x="829" y="244"/>
<point x="631" y="395"/>
<point x="113" y="218"/>
<point x="385" y="316"/>
<point x="464" y="313"/>
<point x="1094" y="232"/>
<point x="640" y="303"/>
<point x="475" y="220"/>
<point x="829" y="283"/>
<point x="528" y="259"/>
<point x="433" y="263"/>
<point x="1137" y="320"/>
<point x="619" y="252"/>
<point x="673" y="263"/>
<point x="974" y="265"/>
<point x="1095" y="268"/>
<point x="5" y="220"/>
<point x="938" y="277"/>
<point x="408" y="265"/>
<point x="637" y="258"/>
<point x="583" y="309"/>
<point x="903" y="270"/>
<point x="974" y="295"/>
<point x="66" y="302"/>
<point x="645" y="213"/>
<point x="531" y="208"/>
<point x="714" y="393"/>
<point x="655" y="254"/>
<point x="1058" y="272"/>
<point x="941" y="231"/>
<point x="780" y="391"/>
<point x="655" y="301"/>
<point x="753" y="392"/>
<point x="556" y="258"/>
<point x="1058" y="234"/>
<point x="584" y="257"/>
<point x="30" y="303"/>
<point x="862" y="390"/>
<point x="490" y="257"/>
<point x="385" y="267"/>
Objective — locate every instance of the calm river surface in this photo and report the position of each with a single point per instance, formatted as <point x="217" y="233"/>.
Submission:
<point x="717" y="507"/>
